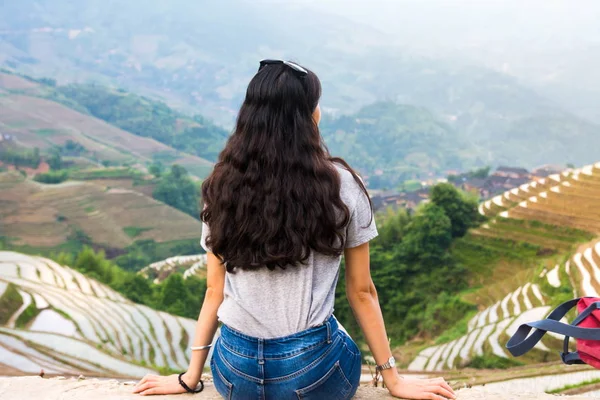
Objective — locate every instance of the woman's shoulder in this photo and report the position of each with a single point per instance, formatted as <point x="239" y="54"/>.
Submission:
<point x="348" y="184"/>
<point x="342" y="170"/>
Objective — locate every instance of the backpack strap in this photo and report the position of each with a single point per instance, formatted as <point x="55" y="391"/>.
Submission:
<point x="520" y="343"/>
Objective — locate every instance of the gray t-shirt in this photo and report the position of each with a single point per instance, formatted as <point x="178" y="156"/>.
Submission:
<point x="269" y="304"/>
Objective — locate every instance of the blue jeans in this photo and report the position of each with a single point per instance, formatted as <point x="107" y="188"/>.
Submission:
<point x="318" y="363"/>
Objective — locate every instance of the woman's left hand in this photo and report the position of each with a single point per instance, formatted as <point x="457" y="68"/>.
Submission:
<point x="154" y="384"/>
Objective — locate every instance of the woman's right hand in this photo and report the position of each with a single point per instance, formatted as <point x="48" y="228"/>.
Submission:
<point x="422" y="389"/>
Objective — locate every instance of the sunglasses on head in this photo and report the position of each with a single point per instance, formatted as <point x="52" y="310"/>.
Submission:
<point x="298" y="70"/>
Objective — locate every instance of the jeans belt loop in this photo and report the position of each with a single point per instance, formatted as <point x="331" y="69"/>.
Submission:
<point x="261" y="347"/>
<point x="328" y="324"/>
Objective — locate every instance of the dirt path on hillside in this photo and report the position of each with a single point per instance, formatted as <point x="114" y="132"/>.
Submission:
<point x="34" y="388"/>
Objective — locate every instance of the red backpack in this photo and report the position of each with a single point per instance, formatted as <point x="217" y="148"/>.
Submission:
<point x="585" y="328"/>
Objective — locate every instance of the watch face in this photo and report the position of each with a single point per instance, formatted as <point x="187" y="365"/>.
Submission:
<point x="392" y="362"/>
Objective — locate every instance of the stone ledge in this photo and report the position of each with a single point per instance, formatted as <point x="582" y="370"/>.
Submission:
<point x="35" y="388"/>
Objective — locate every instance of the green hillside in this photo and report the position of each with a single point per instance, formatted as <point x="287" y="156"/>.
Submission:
<point x="538" y="248"/>
<point x="28" y="114"/>
<point x="147" y="118"/>
<point x="401" y="141"/>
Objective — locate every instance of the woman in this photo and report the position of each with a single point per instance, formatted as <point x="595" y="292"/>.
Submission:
<point x="278" y="214"/>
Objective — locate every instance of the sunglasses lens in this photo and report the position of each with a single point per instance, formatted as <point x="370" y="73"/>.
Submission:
<point x="298" y="69"/>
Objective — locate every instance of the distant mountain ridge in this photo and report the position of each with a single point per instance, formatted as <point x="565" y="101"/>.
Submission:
<point x="97" y="40"/>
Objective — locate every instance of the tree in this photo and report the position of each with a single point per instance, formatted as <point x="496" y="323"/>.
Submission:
<point x="178" y="190"/>
<point x="393" y="227"/>
<point x="173" y="289"/>
<point x="156" y="169"/>
<point x="55" y="159"/>
<point x="461" y="210"/>
<point x="481" y="173"/>
<point x="429" y="234"/>
<point x="136" y="287"/>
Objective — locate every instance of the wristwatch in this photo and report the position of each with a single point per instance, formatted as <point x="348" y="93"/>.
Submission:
<point x="391" y="363"/>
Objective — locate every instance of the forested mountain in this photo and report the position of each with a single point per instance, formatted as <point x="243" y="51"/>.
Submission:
<point x="147" y="118"/>
<point x="393" y="143"/>
<point x="200" y="57"/>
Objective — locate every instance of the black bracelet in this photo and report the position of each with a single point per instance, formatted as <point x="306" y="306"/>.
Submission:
<point x="187" y="388"/>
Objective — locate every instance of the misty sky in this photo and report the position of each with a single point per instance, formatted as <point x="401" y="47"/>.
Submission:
<point x="444" y="22"/>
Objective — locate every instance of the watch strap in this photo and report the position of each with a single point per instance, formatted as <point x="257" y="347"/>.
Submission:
<point x="383" y="366"/>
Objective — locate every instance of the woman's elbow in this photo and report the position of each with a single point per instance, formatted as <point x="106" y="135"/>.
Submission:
<point x="213" y="295"/>
<point x="363" y="294"/>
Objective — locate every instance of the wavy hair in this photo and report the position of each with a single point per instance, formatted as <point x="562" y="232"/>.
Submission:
<point x="274" y="193"/>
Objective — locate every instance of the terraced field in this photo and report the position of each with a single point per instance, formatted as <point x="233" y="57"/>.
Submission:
<point x="39" y="215"/>
<point x="70" y="324"/>
<point x="188" y="265"/>
<point x="527" y="303"/>
<point x="568" y="200"/>
<point x="542" y="241"/>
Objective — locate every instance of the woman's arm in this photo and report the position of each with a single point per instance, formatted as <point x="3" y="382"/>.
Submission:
<point x="362" y="296"/>
<point x="205" y="331"/>
<point x="207" y="321"/>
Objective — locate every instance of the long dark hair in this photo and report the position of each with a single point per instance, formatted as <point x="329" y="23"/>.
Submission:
<point x="274" y="193"/>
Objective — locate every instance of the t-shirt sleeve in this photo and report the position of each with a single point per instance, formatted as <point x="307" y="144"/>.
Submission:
<point x="361" y="228"/>
<point x="205" y="233"/>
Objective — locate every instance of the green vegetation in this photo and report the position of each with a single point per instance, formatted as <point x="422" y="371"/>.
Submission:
<point x="52" y="177"/>
<point x="178" y="190"/>
<point x="574" y="386"/>
<point x="416" y="275"/>
<point x="134" y="231"/>
<point x="563" y="233"/>
<point x="480" y="173"/>
<point x="410" y="186"/>
<point x="148" y="118"/>
<point x="400" y="140"/>
<point x="175" y="295"/>
<point x="459" y="207"/>
<point x="27" y="315"/>
<point x="20" y="157"/>
<point x="47" y="132"/>
<point x="71" y="148"/>
<point x="459" y="328"/>
<point x="146" y="251"/>
<point x="10" y="302"/>
<point x="107" y="173"/>
<point x="493" y="362"/>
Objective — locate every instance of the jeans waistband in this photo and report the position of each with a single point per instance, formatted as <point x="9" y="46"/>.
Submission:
<point x="281" y="346"/>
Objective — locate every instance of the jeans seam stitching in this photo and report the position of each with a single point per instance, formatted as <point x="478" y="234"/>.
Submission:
<point x="350" y="350"/>
<point x="298" y="352"/>
<point x="227" y="383"/>
<point x="308" y="367"/>
<point x="236" y="352"/>
<point x="237" y="372"/>
<point x="281" y="357"/>
<point x="301" y="392"/>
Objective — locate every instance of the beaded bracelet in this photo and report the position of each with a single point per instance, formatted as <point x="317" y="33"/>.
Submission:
<point x="187" y="388"/>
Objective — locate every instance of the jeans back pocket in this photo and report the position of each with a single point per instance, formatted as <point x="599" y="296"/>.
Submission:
<point x="223" y="386"/>
<point x="333" y="386"/>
